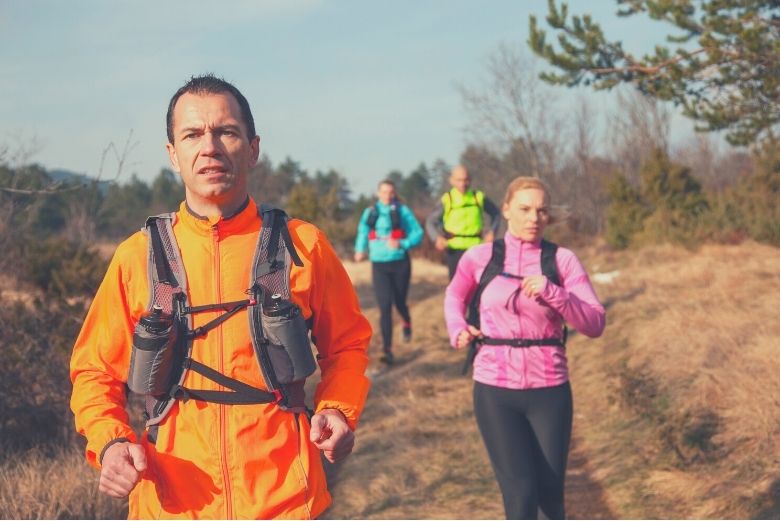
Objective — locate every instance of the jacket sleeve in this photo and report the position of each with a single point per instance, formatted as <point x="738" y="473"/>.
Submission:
<point x="414" y="232"/>
<point x="341" y="334"/>
<point x="576" y="301"/>
<point x="434" y="224"/>
<point x="459" y="293"/>
<point x="99" y="365"/>
<point x="494" y="213"/>
<point x="361" y="240"/>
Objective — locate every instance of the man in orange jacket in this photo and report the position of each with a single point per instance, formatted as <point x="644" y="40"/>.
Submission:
<point x="215" y="460"/>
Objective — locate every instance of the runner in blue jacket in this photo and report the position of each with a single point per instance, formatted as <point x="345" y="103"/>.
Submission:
<point x="388" y="230"/>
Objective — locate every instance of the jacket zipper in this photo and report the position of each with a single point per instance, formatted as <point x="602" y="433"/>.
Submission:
<point x="221" y="361"/>
<point x="519" y="322"/>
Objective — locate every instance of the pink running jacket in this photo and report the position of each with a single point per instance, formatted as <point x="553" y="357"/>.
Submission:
<point x="543" y="317"/>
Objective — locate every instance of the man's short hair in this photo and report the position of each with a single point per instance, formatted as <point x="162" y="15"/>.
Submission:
<point x="210" y="84"/>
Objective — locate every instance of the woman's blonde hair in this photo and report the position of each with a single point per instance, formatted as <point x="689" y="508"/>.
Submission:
<point x="524" y="183"/>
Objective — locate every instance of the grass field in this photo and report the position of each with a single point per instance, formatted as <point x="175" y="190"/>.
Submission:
<point x="677" y="405"/>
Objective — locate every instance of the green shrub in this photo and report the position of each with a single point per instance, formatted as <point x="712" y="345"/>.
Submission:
<point x="669" y="206"/>
<point x="63" y="268"/>
<point x="626" y="212"/>
<point x="34" y="382"/>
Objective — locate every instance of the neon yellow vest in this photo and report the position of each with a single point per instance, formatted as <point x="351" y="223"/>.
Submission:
<point x="463" y="218"/>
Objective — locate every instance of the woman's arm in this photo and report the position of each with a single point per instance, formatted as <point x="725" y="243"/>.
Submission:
<point x="459" y="293"/>
<point x="576" y="301"/>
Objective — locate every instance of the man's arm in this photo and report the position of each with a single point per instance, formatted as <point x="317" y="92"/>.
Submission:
<point x="361" y="238"/>
<point x="495" y="215"/>
<point x="414" y="232"/>
<point x="341" y="334"/>
<point x="434" y="224"/>
<point x="99" y="364"/>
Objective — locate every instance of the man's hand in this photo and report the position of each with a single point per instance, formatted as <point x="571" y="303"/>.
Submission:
<point x="123" y="465"/>
<point x="331" y="434"/>
<point x="441" y="243"/>
<point x="360" y="256"/>
<point x="489" y="236"/>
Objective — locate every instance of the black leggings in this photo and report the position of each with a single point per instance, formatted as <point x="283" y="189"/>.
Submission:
<point x="527" y="434"/>
<point x="391" y="284"/>
<point x="453" y="257"/>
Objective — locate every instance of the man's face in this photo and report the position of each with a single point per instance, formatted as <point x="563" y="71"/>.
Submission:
<point x="211" y="149"/>
<point x="386" y="193"/>
<point x="460" y="180"/>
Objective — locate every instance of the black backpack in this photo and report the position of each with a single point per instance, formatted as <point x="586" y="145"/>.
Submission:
<point x="494" y="268"/>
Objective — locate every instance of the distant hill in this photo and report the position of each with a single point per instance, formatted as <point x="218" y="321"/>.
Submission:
<point x="62" y="175"/>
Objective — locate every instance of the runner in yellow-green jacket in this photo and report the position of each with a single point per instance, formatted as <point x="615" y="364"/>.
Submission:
<point x="456" y="224"/>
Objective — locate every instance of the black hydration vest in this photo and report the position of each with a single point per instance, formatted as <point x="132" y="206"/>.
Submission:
<point x="395" y="217"/>
<point x="273" y="259"/>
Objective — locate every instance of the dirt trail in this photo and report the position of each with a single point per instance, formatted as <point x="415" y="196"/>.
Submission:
<point x="419" y="454"/>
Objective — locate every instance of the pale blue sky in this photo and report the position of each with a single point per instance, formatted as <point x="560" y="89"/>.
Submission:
<point x="364" y="87"/>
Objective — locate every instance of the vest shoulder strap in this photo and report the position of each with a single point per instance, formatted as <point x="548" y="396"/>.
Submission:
<point x="479" y="196"/>
<point x="494" y="266"/>
<point x="549" y="266"/>
<point x="395" y="217"/>
<point x="274" y="255"/>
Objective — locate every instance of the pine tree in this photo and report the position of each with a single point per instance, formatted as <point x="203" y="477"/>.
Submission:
<point x="722" y="67"/>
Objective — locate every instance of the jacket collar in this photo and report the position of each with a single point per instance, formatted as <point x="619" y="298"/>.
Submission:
<point x="241" y="220"/>
<point x="517" y="243"/>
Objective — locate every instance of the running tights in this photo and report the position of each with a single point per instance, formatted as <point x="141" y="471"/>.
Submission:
<point x="391" y="284"/>
<point x="527" y="435"/>
<point x="453" y="257"/>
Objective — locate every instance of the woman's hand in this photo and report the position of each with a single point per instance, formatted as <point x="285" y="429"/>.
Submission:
<point x="360" y="256"/>
<point x="534" y="285"/>
<point x="466" y="336"/>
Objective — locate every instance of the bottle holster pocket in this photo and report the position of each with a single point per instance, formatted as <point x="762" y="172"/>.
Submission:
<point x="152" y="359"/>
<point x="289" y="348"/>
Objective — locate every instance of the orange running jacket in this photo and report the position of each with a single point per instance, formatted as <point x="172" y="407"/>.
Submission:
<point x="212" y="460"/>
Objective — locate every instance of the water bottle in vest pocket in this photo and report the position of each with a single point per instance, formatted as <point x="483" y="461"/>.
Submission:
<point x="152" y="357"/>
<point x="288" y="336"/>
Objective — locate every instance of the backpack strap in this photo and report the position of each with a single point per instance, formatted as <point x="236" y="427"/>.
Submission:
<point x="493" y="268"/>
<point x="167" y="289"/>
<point x="549" y="266"/>
<point x="373" y="215"/>
<point x="274" y="256"/>
<point x="395" y="217"/>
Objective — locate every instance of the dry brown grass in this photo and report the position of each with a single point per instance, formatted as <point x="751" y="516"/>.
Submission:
<point x="677" y="407"/>
<point x="678" y="403"/>
<point x="58" y="486"/>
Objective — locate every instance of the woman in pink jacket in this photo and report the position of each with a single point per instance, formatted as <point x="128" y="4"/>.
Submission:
<point x="522" y="397"/>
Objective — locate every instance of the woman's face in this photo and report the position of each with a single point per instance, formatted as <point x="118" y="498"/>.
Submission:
<point x="527" y="214"/>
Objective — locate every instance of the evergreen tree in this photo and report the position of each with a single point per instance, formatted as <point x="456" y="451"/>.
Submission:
<point x="722" y="66"/>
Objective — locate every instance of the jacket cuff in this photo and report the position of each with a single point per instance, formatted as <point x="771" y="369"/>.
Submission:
<point x="112" y="442"/>
<point x="350" y="406"/>
<point x="97" y="445"/>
